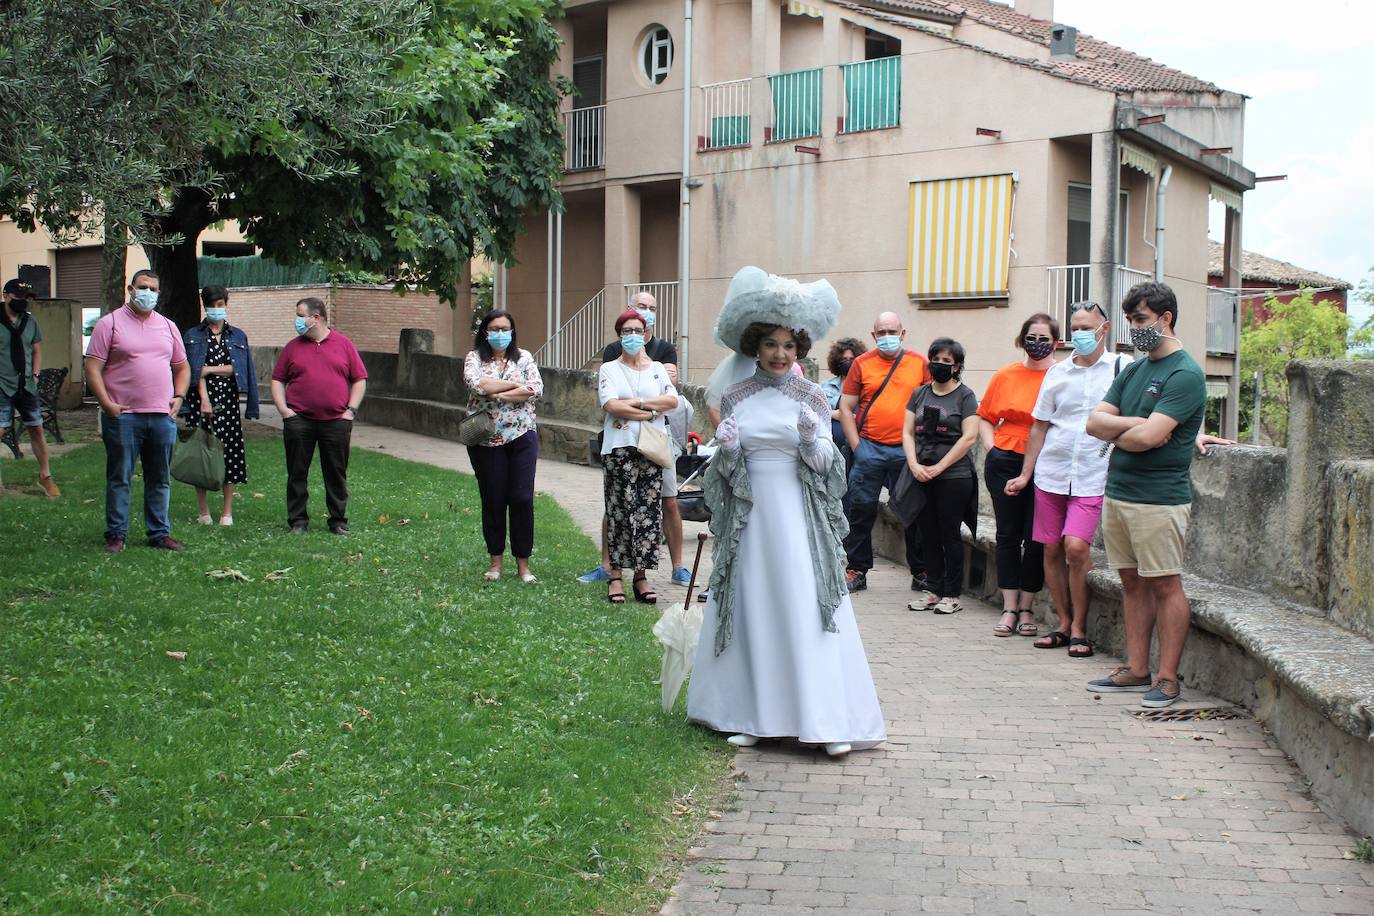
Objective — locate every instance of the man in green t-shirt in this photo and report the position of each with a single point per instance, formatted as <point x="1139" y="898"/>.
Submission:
<point x="20" y="360"/>
<point x="1152" y="414"/>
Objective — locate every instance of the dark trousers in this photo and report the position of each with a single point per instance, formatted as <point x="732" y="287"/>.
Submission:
<point x="875" y="466"/>
<point x="946" y="501"/>
<point x="1020" y="560"/>
<point x="505" y="481"/>
<point x="300" y="436"/>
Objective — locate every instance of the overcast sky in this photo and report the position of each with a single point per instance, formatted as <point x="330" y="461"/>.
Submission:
<point x="1308" y="68"/>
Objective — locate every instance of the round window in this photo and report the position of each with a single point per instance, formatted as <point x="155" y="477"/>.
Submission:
<point x="656" y="54"/>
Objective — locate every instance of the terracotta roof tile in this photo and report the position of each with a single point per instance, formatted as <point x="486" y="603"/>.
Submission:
<point x="1257" y="268"/>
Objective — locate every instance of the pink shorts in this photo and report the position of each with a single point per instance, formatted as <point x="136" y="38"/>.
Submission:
<point x="1057" y="516"/>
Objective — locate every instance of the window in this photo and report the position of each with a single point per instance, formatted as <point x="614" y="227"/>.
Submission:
<point x="587" y="82"/>
<point x="1079" y="243"/>
<point x="656" y="54"/>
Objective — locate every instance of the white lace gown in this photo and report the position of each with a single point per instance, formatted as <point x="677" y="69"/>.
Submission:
<point x="782" y="675"/>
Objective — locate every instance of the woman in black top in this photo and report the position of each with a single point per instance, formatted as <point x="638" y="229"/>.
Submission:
<point x="940" y="429"/>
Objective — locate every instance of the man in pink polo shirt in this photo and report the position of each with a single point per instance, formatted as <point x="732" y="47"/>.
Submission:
<point x="317" y="385"/>
<point x="136" y="368"/>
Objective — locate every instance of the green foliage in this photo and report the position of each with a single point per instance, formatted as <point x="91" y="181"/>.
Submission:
<point x="362" y="725"/>
<point x="1364" y="850"/>
<point x="1301" y="328"/>
<point x="483" y="297"/>
<point x="255" y="270"/>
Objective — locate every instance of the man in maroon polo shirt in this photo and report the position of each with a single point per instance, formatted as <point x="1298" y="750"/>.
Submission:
<point x="317" y="385"/>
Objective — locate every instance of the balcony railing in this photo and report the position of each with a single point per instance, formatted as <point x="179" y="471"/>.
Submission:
<point x="584" y="131"/>
<point x="665" y="294"/>
<point x="1125" y="279"/>
<point x="796" y="104"/>
<point x="1223" y="321"/>
<point x="872" y="94"/>
<point x="579" y="339"/>
<point x="1070" y="283"/>
<point x="724" y="115"/>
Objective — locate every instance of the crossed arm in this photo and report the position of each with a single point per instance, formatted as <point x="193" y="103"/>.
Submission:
<point x="1134" y="434"/>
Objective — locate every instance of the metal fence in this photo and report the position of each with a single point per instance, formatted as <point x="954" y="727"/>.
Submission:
<point x="796" y="104"/>
<point x="579" y="339"/>
<point x="665" y="294"/>
<point x="1065" y="284"/>
<point x="724" y="115"/>
<point x="584" y="132"/>
<point x="872" y="94"/>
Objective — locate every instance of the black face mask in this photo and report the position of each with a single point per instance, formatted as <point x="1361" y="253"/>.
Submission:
<point x="1039" y="349"/>
<point x="941" y="372"/>
<point x="19" y="305"/>
<point x="844" y="367"/>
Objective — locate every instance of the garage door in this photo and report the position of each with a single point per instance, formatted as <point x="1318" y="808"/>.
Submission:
<point x="78" y="274"/>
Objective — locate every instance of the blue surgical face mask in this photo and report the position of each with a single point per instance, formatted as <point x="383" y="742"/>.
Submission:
<point x="1085" y="342"/>
<point x="648" y="318"/>
<point x="145" y="300"/>
<point x="889" y="344"/>
<point x="499" y="340"/>
<point x="216" y="314"/>
<point x="301" y="326"/>
<point x="632" y="343"/>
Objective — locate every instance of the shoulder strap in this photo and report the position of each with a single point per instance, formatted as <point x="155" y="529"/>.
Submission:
<point x="879" y="393"/>
<point x="1116" y="370"/>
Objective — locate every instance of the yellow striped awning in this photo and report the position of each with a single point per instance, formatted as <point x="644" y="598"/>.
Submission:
<point x="960" y="237"/>
<point x="799" y="8"/>
<point x="1224" y="195"/>
<point x="1137" y="158"/>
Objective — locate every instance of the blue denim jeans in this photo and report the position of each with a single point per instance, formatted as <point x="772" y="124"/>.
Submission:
<point x="876" y="466"/>
<point x="128" y="438"/>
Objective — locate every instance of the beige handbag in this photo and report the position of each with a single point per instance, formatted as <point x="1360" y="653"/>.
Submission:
<point x="653" y="444"/>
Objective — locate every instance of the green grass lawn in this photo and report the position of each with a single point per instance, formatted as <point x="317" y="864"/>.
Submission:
<point x="371" y="728"/>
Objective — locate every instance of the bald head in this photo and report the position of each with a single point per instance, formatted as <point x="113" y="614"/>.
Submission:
<point x="888" y="333"/>
<point x="888" y="321"/>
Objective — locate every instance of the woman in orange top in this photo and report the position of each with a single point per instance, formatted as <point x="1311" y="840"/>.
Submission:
<point x="1005" y="424"/>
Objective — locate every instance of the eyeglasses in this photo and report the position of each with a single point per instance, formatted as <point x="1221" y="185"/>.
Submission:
<point x="1087" y="307"/>
<point x="1038" y="340"/>
<point x="628" y="331"/>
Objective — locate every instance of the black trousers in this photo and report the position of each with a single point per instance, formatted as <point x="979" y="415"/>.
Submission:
<point x="946" y="500"/>
<point x="1020" y="560"/>
<point x="300" y="435"/>
<point x="505" y="482"/>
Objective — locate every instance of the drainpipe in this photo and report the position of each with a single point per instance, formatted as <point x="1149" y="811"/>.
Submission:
<point x="685" y="209"/>
<point x="1159" y="222"/>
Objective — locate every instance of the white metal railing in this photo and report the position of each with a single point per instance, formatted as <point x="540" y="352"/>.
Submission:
<point x="1124" y="278"/>
<point x="584" y="135"/>
<point x="665" y="294"/>
<point x="725" y="115"/>
<point x="1065" y="284"/>
<point x="1223" y="320"/>
<point x="796" y="100"/>
<point x="872" y="94"/>
<point x="579" y="339"/>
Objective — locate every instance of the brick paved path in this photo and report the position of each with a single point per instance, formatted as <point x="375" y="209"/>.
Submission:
<point x="1004" y="788"/>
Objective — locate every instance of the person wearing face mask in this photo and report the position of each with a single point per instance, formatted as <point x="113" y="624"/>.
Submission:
<point x="941" y="427"/>
<point x="1069" y="470"/>
<point x="136" y="367"/>
<point x="1005" y="428"/>
<point x="873" y="401"/>
<point x="221" y="369"/>
<point x="633" y="389"/>
<point x="21" y="359"/>
<point x="1152" y="414"/>
<point x="841" y="356"/>
<point x="504" y="382"/>
<point x="317" y="384"/>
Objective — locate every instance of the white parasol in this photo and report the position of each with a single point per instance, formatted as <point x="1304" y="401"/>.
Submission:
<point x="679" y="629"/>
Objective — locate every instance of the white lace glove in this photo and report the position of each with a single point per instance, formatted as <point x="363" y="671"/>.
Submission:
<point x="727" y="434"/>
<point x="807" y="424"/>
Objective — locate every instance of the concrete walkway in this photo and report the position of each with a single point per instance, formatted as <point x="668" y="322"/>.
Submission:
<point x="1004" y="787"/>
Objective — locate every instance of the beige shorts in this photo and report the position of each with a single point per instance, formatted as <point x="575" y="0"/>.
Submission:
<point x="1146" y="538"/>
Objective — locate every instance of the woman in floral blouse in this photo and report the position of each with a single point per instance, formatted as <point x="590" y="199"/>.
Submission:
<point x="504" y="381"/>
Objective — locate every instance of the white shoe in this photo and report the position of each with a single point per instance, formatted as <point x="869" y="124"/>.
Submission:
<point x="205" y="520"/>
<point x="948" y="606"/>
<point x="528" y="578"/>
<point x="492" y="575"/>
<point x="227" y="521"/>
<point x="927" y="601"/>
<point x="838" y="748"/>
<point x="745" y="740"/>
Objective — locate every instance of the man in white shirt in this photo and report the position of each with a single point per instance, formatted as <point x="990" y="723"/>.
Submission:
<point x="1070" y="471"/>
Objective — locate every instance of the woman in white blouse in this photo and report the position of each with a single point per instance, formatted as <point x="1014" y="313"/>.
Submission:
<point x="633" y="390"/>
<point x="504" y="381"/>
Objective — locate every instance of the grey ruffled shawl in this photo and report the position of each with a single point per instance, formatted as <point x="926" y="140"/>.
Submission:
<point x="730" y="498"/>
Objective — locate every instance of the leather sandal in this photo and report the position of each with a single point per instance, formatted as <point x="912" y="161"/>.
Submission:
<point x="1005" y="629"/>
<point x="615" y="597"/>
<point x="1027" y="629"/>
<point x="1055" y="639"/>
<point x="648" y="596"/>
<point x="1078" y="642"/>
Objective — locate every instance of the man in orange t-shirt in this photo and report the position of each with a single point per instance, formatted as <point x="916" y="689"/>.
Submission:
<point x="873" y="403"/>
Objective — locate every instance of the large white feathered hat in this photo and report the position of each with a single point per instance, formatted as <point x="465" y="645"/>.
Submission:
<point x="757" y="296"/>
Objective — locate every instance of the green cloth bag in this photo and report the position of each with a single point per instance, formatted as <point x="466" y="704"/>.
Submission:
<point x="199" y="460"/>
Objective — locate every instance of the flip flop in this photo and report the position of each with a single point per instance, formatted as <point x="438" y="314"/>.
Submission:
<point x="1076" y="642"/>
<point x="1055" y="639"/>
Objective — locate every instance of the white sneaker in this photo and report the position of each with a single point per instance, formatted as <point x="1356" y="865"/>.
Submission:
<point x="743" y="740"/>
<point x="838" y="748"/>
<point x="948" y="606"/>
<point x="205" y="520"/>
<point x="927" y="601"/>
<point x="227" y="521"/>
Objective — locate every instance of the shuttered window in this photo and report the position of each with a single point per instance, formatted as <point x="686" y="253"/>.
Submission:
<point x="79" y="275"/>
<point x="960" y="235"/>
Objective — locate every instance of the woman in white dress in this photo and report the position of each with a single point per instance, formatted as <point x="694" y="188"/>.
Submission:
<point x="780" y="654"/>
